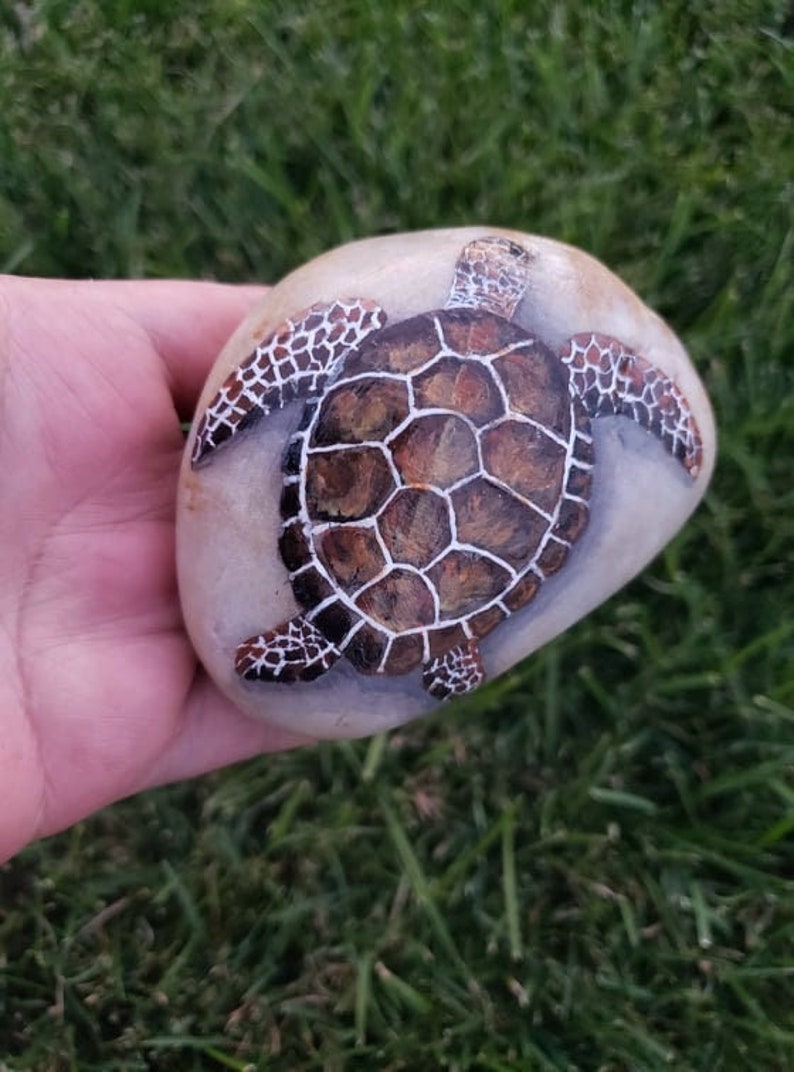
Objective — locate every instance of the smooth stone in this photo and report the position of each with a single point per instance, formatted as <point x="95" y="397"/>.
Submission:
<point x="233" y="582"/>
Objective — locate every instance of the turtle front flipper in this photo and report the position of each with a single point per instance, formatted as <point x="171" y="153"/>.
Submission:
<point x="294" y="651"/>
<point x="295" y="361"/>
<point x="610" y="379"/>
<point x="454" y="673"/>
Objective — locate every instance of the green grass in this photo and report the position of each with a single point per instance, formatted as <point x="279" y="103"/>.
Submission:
<point x="590" y="865"/>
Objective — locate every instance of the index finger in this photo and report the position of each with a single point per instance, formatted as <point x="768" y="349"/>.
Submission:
<point x="187" y="323"/>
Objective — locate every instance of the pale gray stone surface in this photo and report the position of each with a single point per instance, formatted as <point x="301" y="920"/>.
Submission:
<point x="232" y="581"/>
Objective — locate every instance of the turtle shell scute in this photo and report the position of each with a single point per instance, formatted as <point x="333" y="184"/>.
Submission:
<point x="415" y="526"/>
<point x="399" y="348"/>
<point x="519" y="594"/>
<point x="437" y="449"/>
<point x="571" y="520"/>
<point x="361" y="411"/>
<point x="465" y="581"/>
<point x="493" y="519"/>
<point x="336" y="620"/>
<point x="524" y="457"/>
<point x="459" y="384"/>
<point x="352" y="555"/>
<point x="536" y="382"/>
<point x="399" y="601"/>
<point x="347" y="484"/>
<point x="366" y="648"/>
<point x="484" y="621"/>
<point x="406" y="653"/>
<point x="478" y="333"/>
<point x="294" y="546"/>
<point x="310" y="587"/>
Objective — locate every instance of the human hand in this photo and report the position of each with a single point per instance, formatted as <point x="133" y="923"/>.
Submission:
<point x="100" y="691"/>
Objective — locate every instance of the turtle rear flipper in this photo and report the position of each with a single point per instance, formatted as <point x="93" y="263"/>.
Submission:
<point x="610" y="379"/>
<point x="294" y="651"/>
<point x="295" y="361"/>
<point x="454" y="673"/>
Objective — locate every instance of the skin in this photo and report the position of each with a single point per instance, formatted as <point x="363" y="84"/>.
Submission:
<point x="101" y="695"/>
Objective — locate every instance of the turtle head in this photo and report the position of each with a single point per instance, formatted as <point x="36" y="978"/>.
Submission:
<point x="491" y="273"/>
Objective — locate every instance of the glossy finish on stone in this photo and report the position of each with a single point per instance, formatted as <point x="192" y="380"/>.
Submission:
<point x="419" y="459"/>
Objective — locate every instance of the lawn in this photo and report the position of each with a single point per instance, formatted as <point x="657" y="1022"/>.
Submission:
<point x="589" y="865"/>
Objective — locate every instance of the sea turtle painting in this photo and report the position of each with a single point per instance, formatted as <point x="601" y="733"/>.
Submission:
<point x="441" y="469"/>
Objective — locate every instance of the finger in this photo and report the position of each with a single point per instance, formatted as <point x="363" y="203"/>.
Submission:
<point x="213" y="734"/>
<point x="188" y="324"/>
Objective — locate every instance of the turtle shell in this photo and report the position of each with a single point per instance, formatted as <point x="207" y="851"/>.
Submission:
<point x="427" y="494"/>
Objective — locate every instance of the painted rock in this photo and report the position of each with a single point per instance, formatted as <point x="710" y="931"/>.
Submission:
<point x="418" y="460"/>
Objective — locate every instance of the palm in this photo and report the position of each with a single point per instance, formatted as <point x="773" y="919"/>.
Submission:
<point x="101" y="694"/>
